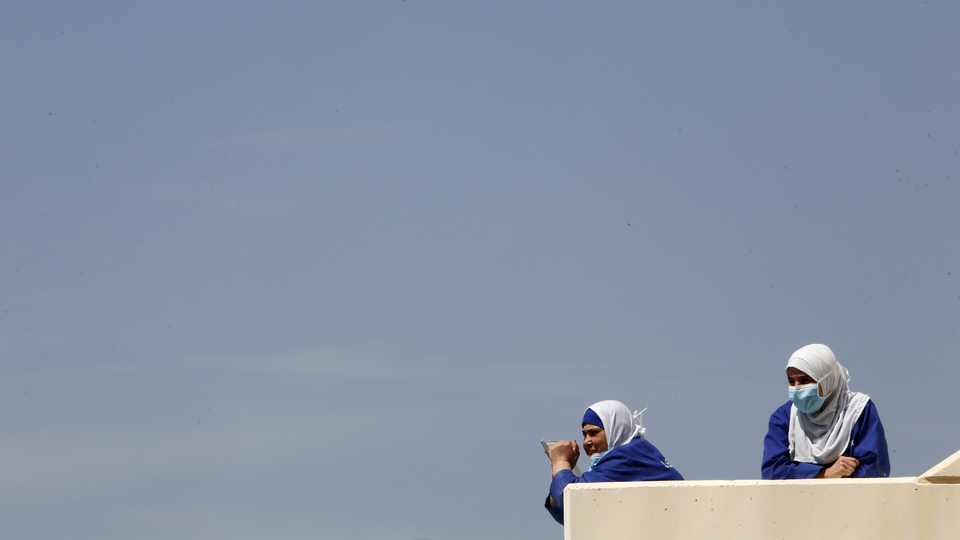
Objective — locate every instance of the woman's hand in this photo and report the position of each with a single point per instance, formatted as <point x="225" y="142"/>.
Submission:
<point x="841" y="468"/>
<point x="563" y="455"/>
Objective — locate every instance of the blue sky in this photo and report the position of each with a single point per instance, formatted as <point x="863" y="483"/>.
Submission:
<point x="333" y="270"/>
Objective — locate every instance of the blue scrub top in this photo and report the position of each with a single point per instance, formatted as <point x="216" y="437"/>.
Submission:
<point x="636" y="461"/>
<point x="867" y="444"/>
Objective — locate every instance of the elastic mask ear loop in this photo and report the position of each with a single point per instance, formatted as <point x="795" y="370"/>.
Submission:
<point x="842" y="373"/>
<point x="643" y="430"/>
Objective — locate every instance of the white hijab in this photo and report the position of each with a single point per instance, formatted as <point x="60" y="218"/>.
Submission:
<point x="620" y="425"/>
<point x="823" y="436"/>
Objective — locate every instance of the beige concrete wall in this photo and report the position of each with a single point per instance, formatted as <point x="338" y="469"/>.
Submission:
<point x="888" y="508"/>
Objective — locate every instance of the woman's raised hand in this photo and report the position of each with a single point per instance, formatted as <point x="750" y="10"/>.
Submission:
<point x="564" y="455"/>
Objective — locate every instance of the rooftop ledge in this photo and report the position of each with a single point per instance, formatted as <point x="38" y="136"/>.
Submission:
<point x="919" y="507"/>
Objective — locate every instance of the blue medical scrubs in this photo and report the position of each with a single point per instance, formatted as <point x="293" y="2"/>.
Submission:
<point x="867" y="444"/>
<point x="636" y="461"/>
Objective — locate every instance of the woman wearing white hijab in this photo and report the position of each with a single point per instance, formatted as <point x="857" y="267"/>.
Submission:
<point x="825" y="430"/>
<point x="614" y="440"/>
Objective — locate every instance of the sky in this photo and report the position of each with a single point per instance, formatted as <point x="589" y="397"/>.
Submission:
<point x="331" y="270"/>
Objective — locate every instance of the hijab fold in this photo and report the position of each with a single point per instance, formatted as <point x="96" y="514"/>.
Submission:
<point x="823" y="436"/>
<point x="621" y="426"/>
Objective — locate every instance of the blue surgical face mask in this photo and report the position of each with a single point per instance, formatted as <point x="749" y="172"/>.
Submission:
<point x="595" y="458"/>
<point x="806" y="397"/>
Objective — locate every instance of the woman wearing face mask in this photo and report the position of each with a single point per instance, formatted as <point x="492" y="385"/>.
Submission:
<point x="618" y="451"/>
<point x="825" y="430"/>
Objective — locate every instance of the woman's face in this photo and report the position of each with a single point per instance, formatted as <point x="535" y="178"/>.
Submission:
<point x="795" y="377"/>
<point x="594" y="439"/>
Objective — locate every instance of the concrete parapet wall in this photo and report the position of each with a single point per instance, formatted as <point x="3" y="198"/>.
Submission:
<point x="926" y="507"/>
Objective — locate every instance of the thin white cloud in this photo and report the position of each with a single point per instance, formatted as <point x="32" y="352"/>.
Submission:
<point x="375" y="361"/>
